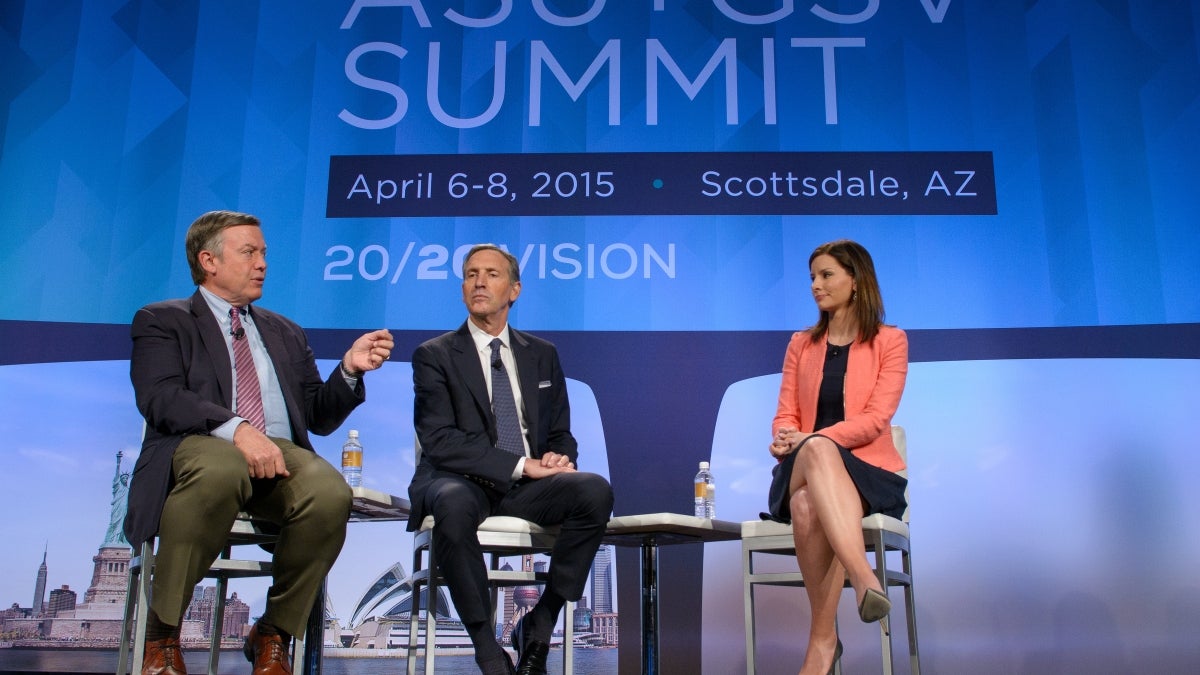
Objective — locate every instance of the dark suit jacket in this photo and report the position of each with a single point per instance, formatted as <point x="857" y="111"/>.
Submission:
<point x="183" y="382"/>
<point x="453" y="416"/>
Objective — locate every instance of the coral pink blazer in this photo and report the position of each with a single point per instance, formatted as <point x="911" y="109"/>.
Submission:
<point x="875" y="377"/>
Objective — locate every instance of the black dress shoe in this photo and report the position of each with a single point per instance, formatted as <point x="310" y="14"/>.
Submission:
<point x="533" y="658"/>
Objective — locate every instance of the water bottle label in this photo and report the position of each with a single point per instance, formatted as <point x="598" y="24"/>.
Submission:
<point x="352" y="458"/>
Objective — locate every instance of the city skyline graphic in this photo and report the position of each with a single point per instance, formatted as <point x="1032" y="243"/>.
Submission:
<point x="58" y="532"/>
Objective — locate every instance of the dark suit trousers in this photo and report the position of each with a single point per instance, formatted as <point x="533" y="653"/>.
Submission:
<point x="580" y="503"/>
<point x="212" y="484"/>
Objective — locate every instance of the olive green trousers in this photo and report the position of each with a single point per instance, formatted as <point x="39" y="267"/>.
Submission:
<point x="211" y="484"/>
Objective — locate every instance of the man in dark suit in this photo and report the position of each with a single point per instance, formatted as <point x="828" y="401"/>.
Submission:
<point x="229" y="394"/>
<point x="494" y="427"/>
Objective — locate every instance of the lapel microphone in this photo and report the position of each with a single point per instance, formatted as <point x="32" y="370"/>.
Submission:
<point x="239" y="332"/>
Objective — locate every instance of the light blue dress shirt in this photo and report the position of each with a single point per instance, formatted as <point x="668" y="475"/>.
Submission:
<point x="274" y="408"/>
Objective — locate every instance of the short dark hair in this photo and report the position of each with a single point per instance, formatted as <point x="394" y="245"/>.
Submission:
<point x="206" y="233"/>
<point x="867" y="301"/>
<point x="514" y="267"/>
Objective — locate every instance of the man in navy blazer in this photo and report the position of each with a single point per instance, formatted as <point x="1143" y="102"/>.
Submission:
<point x="210" y="452"/>
<point x="463" y="476"/>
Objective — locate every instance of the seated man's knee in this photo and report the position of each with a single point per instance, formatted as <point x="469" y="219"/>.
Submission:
<point x="596" y="493"/>
<point x="455" y="509"/>
<point x="334" y="499"/>
<point x="318" y="481"/>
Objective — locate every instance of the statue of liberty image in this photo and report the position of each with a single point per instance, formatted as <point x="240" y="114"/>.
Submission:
<point x="120" y="502"/>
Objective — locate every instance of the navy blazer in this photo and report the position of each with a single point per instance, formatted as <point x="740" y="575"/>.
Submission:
<point x="183" y="382"/>
<point x="453" y="417"/>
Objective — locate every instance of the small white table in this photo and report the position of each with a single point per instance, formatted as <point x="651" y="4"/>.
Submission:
<point x="648" y="532"/>
<point x="375" y="506"/>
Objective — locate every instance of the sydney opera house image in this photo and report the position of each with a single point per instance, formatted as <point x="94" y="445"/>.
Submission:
<point x="380" y="618"/>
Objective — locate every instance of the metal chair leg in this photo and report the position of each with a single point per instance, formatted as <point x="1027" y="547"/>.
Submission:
<point x="748" y="608"/>
<point x="132" y="623"/>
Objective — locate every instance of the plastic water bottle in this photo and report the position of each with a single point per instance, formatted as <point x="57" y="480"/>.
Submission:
<point x="352" y="452"/>
<point x="705" y="493"/>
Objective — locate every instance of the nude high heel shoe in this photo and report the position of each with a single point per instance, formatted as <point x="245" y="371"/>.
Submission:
<point x="874" y="606"/>
<point x="837" y="656"/>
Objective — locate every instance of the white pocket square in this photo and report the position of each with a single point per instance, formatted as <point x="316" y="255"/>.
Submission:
<point x="544" y="384"/>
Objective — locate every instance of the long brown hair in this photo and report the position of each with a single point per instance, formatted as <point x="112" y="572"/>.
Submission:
<point x="867" y="302"/>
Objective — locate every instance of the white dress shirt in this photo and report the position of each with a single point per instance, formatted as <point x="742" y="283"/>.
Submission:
<point x="483" y="347"/>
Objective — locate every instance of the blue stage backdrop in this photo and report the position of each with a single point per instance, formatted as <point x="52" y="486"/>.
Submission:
<point x="1023" y="173"/>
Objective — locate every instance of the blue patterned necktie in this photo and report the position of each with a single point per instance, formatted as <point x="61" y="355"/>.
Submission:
<point x="504" y="406"/>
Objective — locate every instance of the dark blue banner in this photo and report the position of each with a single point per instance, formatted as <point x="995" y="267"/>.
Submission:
<point x="671" y="183"/>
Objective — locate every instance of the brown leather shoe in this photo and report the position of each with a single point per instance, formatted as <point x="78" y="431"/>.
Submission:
<point x="163" y="657"/>
<point x="268" y="653"/>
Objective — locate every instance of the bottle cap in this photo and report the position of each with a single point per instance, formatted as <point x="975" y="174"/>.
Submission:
<point x="354" y="433"/>
<point x="703" y="465"/>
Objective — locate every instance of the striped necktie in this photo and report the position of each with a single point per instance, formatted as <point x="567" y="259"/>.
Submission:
<point x="249" y="396"/>
<point x="504" y="406"/>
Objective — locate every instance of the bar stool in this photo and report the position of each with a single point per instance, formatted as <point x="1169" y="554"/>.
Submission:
<point x="881" y="534"/>
<point x="500" y="537"/>
<point x="245" y="531"/>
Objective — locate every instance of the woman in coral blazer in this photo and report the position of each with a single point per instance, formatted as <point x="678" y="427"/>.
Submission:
<point x="842" y="381"/>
